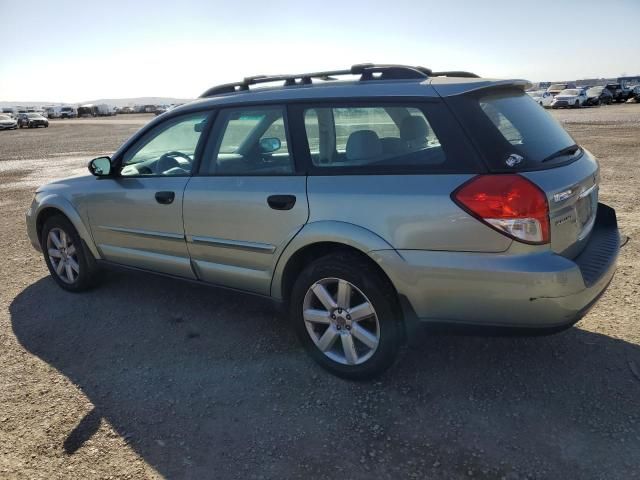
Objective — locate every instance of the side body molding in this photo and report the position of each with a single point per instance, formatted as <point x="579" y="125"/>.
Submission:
<point x="326" y="231"/>
<point x="58" y="202"/>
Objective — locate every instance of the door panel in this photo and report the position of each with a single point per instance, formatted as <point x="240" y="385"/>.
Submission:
<point x="234" y="236"/>
<point x="131" y="227"/>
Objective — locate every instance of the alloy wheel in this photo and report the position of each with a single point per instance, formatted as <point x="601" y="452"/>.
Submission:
<point x="63" y="255"/>
<point x="341" y="321"/>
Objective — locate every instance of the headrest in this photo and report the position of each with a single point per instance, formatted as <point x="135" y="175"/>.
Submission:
<point x="413" y="128"/>
<point x="363" y="144"/>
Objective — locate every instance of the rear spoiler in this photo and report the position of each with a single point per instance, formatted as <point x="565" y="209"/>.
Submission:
<point x="450" y="89"/>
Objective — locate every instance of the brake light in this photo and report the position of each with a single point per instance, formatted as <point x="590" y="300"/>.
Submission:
<point x="510" y="204"/>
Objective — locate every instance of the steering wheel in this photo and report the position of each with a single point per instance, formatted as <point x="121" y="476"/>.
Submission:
<point x="168" y="161"/>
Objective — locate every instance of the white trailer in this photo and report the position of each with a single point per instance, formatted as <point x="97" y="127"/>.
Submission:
<point x="53" y="112"/>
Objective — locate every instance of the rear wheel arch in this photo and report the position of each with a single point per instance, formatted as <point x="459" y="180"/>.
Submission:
<point x="314" y="251"/>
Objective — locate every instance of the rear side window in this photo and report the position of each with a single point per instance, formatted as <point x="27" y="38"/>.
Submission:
<point x="508" y="125"/>
<point x="393" y="138"/>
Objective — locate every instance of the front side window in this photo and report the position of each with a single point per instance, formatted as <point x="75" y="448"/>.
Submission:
<point x="371" y="137"/>
<point x="168" y="150"/>
<point x="249" y="141"/>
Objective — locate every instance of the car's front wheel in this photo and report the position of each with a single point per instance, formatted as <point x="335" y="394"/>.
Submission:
<point x="344" y="313"/>
<point x="70" y="262"/>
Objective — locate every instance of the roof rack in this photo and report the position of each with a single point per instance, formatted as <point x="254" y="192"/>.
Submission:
<point x="367" y="71"/>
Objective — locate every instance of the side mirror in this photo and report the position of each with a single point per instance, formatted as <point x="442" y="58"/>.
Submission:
<point x="269" y="144"/>
<point x="100" y="167"/>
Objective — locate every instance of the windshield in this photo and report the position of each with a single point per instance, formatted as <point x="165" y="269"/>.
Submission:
<point x="536" y="93"/>
<point x="33" y="115"/>
<point x="569" y="91"/>
<point x="558" y="86"/>
<point x="4" y="117"/>
<point x="595" y="91"/>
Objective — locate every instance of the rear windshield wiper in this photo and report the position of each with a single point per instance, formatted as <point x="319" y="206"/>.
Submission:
<point x="571" y="150"/>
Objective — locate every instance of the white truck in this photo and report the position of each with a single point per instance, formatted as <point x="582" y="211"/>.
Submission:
<point x="68" y="112"/>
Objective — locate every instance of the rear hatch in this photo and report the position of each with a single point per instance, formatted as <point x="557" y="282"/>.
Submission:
<point x="515" y="135"/>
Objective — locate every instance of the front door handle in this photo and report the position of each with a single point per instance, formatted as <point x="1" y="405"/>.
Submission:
<point x="165" y="198"/>
<point x="281" y="202"/>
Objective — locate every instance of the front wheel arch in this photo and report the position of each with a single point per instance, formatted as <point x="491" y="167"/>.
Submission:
<point x="56" y="204"/>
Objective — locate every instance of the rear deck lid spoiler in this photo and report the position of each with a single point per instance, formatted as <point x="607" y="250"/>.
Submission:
<point x="446" y="87"/>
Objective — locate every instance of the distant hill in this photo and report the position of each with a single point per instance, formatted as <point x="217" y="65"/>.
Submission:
<point x="118" y="102"/>
<point x="130" y="102"/>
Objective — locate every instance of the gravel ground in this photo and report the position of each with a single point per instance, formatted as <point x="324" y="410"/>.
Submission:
<point x="147" y="377"/>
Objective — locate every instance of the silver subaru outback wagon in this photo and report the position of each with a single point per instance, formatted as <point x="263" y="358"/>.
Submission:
<point x="366" y="201"/>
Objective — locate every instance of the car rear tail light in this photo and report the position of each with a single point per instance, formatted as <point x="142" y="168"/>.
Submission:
<point x="510" y="204"/>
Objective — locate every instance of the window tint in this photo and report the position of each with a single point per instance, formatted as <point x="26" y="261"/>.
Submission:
<point x="251" y="141"/>
<point x="371" y="137"/>
<point x="532" y="132"/>
<point x="510" y="133"/>
<point x="168" y="150"/>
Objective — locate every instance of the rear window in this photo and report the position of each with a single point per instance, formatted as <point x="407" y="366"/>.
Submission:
<point x="511" y="130"/>
<point x="384" y="138"/>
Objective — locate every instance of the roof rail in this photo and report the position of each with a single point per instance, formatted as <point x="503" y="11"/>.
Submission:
<point x="365" y="70"/>
<point x="455" y="73"/>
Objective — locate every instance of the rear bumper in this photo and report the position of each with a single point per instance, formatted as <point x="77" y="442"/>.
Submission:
<point x="540" y="290"/>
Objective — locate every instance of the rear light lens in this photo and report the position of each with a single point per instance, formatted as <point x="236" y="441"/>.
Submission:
<point x="510" y="204"/>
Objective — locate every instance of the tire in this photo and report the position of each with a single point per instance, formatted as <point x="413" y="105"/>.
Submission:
<point x="368" y="289"/>
<point x="87" y="273"/>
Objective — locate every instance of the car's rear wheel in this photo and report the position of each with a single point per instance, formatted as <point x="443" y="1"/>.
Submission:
<point x="344" y="313"/>
<point x="70" y="262"/>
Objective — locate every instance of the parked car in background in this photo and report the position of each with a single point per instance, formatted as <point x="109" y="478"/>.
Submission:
<point x="542" y="97"/>
<point x="126" y="110"/>
<point x="7" y="122"/>
<point x="598" y="96"/>
<point x="68" y="112"/>
<point x="619" y="92"/>
<point x="556" y="88"/>
<point x="32" y="120"/>
<point x="271" y="191"/>
<point x="634" y="93"/>
<point x="571" y="97"/>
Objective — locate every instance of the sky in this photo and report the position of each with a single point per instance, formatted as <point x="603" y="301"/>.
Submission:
<point x="72" y="51"/>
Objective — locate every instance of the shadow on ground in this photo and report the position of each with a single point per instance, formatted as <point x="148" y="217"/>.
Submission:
<point x="209" y="383"/>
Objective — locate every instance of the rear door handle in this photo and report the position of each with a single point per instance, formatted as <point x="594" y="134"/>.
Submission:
<point x="165" y="198"/>
<point x="281" y="202"/>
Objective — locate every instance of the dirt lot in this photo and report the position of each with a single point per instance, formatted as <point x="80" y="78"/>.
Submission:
<point x="147" y="377"/>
